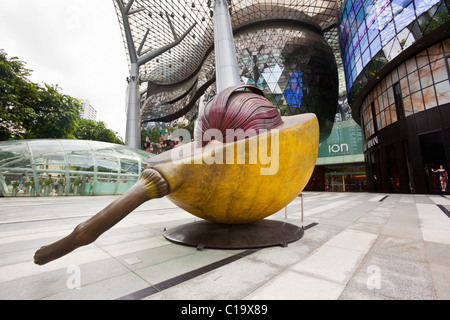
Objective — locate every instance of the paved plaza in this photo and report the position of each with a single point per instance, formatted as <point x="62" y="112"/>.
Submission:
<point x="355" y="246"/>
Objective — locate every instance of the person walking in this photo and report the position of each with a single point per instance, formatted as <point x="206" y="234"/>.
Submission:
<point x="22" y="181"/>
<point x="443" y="177"/>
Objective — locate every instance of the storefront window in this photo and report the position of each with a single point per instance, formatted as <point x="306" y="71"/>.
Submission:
<point x="419" y="84"/>
<point x="391" y="26"/>
<point x="346" y="178"/>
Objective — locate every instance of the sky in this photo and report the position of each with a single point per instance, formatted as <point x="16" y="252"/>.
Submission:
<point x="75" y="44"/>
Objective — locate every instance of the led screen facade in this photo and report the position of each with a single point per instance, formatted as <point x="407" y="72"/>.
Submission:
<point x="373" y="32"/>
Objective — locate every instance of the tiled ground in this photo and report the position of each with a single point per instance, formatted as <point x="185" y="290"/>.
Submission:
<point x="355" y="246"/>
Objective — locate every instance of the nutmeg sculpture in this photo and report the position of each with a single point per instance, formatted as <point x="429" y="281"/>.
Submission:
<point x="245" y="163"/>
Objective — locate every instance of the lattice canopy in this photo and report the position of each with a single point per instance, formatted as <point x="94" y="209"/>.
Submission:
<point x="176" y="74"/>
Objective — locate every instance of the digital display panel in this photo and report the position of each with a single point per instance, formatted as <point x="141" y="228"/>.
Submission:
<point x="371" y="28"/>
<point x="294" y="90"/>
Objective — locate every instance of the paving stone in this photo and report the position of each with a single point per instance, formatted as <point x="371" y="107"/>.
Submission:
<point x="354" y="247"/>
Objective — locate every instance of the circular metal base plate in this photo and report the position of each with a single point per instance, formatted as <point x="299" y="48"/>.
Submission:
<point x="264" y="233"/>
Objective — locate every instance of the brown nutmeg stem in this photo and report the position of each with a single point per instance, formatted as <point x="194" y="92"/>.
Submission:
<point x="150" y="185"/>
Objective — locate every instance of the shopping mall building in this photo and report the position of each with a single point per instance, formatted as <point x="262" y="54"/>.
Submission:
<point x="396" y="60"/>
<point x="376" y="74"/>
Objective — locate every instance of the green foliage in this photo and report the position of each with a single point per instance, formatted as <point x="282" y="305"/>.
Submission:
<point x="96" y="130"/>
<point x="29" y="184"/>
<point x="29" y="111"/>
<point x="430" y="22"/>
<point x="16" y="96"/>
<point x="189" y="127"/>
<point x="55" y="115"/>
<point x="48" y="182"/>
<point x="155" y="135"/>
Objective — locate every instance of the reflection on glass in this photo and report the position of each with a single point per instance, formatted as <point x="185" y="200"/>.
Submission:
<point x="129" y="166"/>
<point x="295" y="68"/>
<point x="74" y="145"/>
<point x="54" y="161"/>
<point x="407" y="90"/>
<point x="404" y="18"/>
<point x="49" y="148"/>
<point x="67" y="167"/>
<point x="391" y="27"/>
<point x="107" y="164"/>
<point x="125" y="183"/>
<point x="80" y="161"/>
<point x="387" y="33"/>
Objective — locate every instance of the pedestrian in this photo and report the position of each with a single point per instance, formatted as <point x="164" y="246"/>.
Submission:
<point x="443" y="177"/>
<point x="22" y="181"/>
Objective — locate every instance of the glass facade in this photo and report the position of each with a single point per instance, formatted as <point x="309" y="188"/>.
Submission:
<point x="151" y="29"/>
<point x="346" y="178"/>
<point x="289" y="49"/>
<point x="340" y="163"/>
<point x="294" y="66"/>
<point x="68" y="167"/>
<point x="396" y="62"/>
<point x="420" y="83"/>
<point x="345" y="140"/>
<point x="374" y="32"/>
<point x="405" y="121"/>
<point x="171" y="84"/>
<point x="341" y="159"/>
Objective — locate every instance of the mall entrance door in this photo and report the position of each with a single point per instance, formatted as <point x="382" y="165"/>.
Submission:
<point x="433" y="154"/>
<point x="345" y="178"/>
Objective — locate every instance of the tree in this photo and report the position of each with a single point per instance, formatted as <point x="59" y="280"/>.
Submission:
<point x="55" y="116"/>
<point x="17" y="94"/>
<point x="190" y="127"/>
<point x="96" y="130"/>
<point x="29" y="111"/>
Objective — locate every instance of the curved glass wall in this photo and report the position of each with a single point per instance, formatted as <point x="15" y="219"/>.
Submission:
<point x="171" y="83"/>
<point x="374" y="32"/>
<point x="150" y="28"/>
<point x="420" y="83"/>
<point x="68" y="167"/>
<point x="294" y="66"/>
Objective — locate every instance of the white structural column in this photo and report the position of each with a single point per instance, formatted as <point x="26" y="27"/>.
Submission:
<point x="133" y="129"/>
<point x="227" y="73"/>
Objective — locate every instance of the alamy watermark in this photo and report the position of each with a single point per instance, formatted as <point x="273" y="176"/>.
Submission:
<point x="263" y="148"/>
<point x="74" y="279"/>
<point x="374" y="279"/>
<point x="73" y="19"/>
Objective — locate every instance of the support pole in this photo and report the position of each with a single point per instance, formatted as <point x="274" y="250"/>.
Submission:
<point x="227" y="73"/>
<point x="133" y="129"/>
<point x="301" y="195"/>
<point x="133" y="134"/>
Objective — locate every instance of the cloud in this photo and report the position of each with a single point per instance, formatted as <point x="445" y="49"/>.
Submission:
<point x="73" y="43"/>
